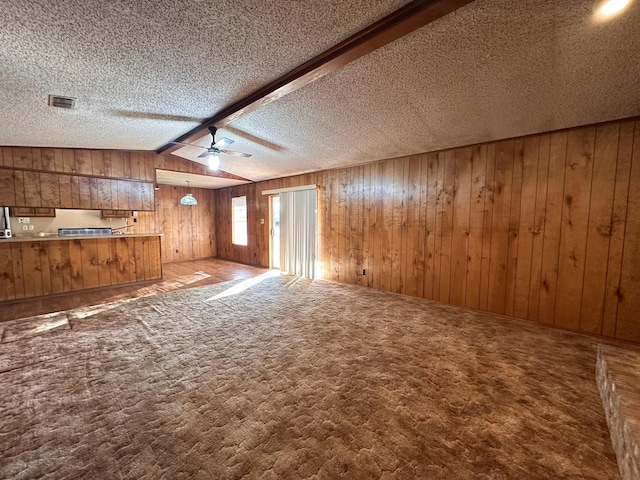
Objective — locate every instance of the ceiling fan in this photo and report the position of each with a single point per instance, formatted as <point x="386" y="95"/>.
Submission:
<point x="216" y="148"/>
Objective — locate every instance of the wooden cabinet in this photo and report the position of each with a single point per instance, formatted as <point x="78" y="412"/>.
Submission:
<point x="32" y="212"/>
<point x="76" y="178"/>
<point x="33" y="268"/>
<point x="115" y="213"/>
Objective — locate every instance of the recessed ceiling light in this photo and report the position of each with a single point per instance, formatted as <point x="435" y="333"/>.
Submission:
<point x="613" y="6"/>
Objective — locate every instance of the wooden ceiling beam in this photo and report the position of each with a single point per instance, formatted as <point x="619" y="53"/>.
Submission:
<point x="410" y="17"/>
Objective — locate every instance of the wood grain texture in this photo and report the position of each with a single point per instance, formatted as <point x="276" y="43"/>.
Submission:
<point x="77" y="178"/>
<point x="573" y="233"/>
<point x="553" y="223"/>
<point x="501" y="187"/>
<point x="488" y="227"/>
<point x="538" y="227"/>
<point x="189" y="232"/>
<point x="599" y="227"/>
<point x="477" y="215"/>
<point x="37" y="268"/>
<point x="613" y="294"/>
<point x="461" y="229"/>
<point x="628" y="323"/>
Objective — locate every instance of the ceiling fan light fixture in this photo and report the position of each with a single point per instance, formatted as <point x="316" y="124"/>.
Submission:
<point x="188" y="199"/>
<point x="214" y="161"/>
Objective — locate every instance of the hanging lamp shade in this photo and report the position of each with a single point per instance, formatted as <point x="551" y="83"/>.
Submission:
<point x="188" y="199"/>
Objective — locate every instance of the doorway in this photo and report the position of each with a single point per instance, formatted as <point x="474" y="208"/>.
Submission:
<point x="293" y="229"/>
<point x="274" y="214"/>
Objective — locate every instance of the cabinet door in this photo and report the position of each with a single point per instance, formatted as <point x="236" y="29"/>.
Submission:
<point x="32" y="212"/>
<point x="44" y="212"/>
<point x="21" y="212"/>
<point x="115" y="213"/>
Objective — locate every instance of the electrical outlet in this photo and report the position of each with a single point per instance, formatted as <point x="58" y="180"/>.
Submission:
<point x="30" y="227"/>
<point x="364" y="272"/>
<point x="24" y="220"/>
<point x="25" y="227"/>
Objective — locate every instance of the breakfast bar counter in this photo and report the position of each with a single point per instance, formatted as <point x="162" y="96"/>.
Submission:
<point x="38" y="266"/>
<point x="55" y="236"/>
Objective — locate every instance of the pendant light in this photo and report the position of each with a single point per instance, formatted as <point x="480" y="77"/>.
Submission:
<point x="188" y="199"/>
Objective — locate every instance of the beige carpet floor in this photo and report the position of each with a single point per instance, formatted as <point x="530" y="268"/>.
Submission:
<point x="296" y="379"/>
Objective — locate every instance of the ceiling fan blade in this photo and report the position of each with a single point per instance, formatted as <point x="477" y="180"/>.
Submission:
<point x="235" y="154"/>
<point x="204" y="154"/>
<point x="222" y="143"/>
<point x="188" y="145"/>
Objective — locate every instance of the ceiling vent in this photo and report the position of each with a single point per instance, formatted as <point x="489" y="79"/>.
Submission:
<point x="62" y="102"/>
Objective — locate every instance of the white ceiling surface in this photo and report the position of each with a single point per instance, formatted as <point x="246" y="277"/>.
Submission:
<point x="168" y="177"/>
<point x="493" y="69"/>
<point x="187" y="58"/>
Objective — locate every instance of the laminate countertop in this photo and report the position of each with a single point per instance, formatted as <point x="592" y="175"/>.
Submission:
<point x="54" y="236"/>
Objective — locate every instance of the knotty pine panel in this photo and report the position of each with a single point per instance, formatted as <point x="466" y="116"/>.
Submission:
<point x="7" y="290"/>
<point x="477" y="213"/>
<point x="542" y="228"/>
<point x="412" y="233"/>
<point x="32" y="192"/>
<point x="525" y="233"/>
<point x="538" y="227"/>
<point x="628" y="325"/>
<point x="575" y="220"/>
<point x="77" y="178"/>
<point x="7" y="187"/>
<point x="430" y="223"/>
<point x="461" y="229"/>
<point x="514" y="223"/>
<point x="599" y="227"/>
<point x="19" y="188"/>
<point x="189" y="230"/>
<point x="613" y="294"/>
<point x="36" y="268"/>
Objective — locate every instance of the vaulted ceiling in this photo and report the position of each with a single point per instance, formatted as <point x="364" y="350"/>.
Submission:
<point x="146" y="71"/>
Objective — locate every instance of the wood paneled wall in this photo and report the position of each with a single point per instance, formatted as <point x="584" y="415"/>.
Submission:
<point x="76" y="178"/>
<point x="543" y="228"/>
<point x="189" y="232"/>
<point x="36" y="268"/>
<point x="113" y="180"/>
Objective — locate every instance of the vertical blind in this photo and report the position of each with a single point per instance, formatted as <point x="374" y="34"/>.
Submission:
<point x="298" y="232"/>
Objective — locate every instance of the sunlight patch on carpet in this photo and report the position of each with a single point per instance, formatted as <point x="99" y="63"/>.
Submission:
<point x="244" y="285"/>
<point x="33" y="326"/>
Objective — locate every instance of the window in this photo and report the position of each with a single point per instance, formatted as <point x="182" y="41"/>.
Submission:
<point x="239" y="220"/>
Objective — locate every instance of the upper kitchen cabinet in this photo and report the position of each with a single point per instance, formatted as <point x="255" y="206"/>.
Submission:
<point x="77" y="178"/>
<point x="32" y="212"/>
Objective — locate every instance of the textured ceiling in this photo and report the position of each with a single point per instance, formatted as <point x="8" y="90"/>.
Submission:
<point x="124" y="59"/>
<point x="493" y="69"/>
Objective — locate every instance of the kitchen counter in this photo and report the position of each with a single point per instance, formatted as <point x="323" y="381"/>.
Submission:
<point x="54" y="236"/>
<point x="36" y="266"/>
